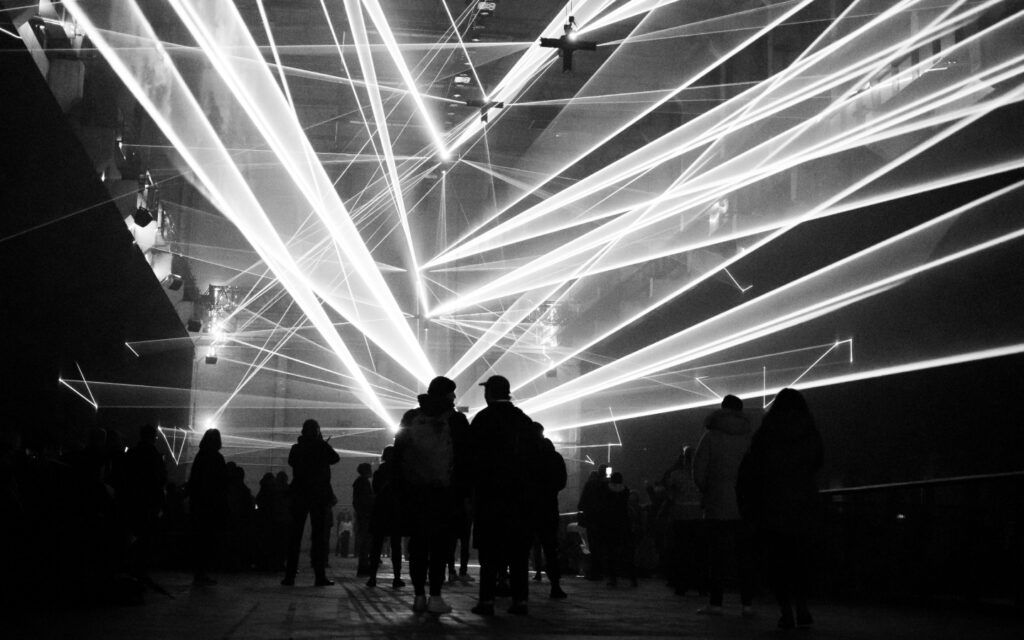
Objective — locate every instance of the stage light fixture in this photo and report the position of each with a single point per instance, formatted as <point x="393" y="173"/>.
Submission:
<point x="211" y="356"/>
<point x="194" y="326"/>
<point x="485" y="9"/>
<point x="173" y="281"/>
<point x="568" y="43"/>
<point x="142" y="217"/>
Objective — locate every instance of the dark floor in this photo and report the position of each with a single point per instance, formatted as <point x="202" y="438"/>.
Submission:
<point x="254" y="605"/>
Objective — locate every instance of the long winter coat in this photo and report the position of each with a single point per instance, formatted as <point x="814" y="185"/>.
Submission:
<point x="777" y="489"/>
<point x="717" y="460"/>
<point x="506" y="454"/>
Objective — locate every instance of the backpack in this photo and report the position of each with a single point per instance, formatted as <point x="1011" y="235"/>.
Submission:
<point x="427" y="450"/>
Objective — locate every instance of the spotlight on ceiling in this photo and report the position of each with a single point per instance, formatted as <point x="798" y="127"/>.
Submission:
<point x="568" y="43"/>
<point x="142" y="217"/>
<point x="484" y="9"/>
<point x="173" y="281"/>
<point x="211" y="356"/>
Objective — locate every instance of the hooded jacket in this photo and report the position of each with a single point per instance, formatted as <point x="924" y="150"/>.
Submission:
<point x="717" y="461"/>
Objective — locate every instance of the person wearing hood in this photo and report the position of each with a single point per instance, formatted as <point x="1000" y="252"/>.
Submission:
<point x="429" y="477"/>
<point x="507" y="457"/>
<point x="716" y="466"/>
<point x="311" y="495"/>
<point x="777" y="491"/>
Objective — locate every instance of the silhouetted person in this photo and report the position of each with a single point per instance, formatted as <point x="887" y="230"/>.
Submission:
<point x="271" y="547"/>
<point x="310" y="494"/>
<point x="208" y="504"/>
<point x="553" y="478"/>
<point x="241" y="512"/>
<point x="682" y="504"/>
<point x="429" y="456"/>
<point x="715" y="467"/>
<point x="142" y="496"/>
<point x="507" y="467"/>
<point x="385" y="521"/>
<point x="362" y="504"/>
<point x="591" y="515"/>
<point x="778" y="493"/>
<point x="618" y="531"/>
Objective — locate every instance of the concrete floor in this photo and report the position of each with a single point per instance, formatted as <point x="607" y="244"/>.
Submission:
<point x="254" y="605"/>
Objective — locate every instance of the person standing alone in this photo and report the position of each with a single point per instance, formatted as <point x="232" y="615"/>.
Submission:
<point x="311" y="495"/>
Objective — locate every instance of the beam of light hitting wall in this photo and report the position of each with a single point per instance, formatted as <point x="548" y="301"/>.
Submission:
<point x="731" y="116"/>
<point x="880" y="372"/>
<point x="511" y="319"/>
<point x="380" y="21"/>
<point x="156" y="84"/>
<point x="88" y="399"/>
<point x="731" y="174"/>
<point x="864" y="274"/>
<point x="923" y="145"/>
<point x="656" y="153"/>
<point x="176" y="443"/>
<point x="548" y="152"/>
<point x="214" y="25"/>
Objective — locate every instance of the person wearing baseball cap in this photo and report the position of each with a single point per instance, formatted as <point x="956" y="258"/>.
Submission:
<point x="507" y="464"/>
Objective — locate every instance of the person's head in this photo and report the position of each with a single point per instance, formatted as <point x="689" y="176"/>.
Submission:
<point x="789" y="401"/>
<point x="147" y="434"/>
<point x="602" y="471"/>
<point x="732" y="403"/>
<point x="267" y="479"/>
<point x="311" y="429"/>
<point x="546" y="445"/>
<point x="442" y="388"/>
<point x="497" y="389"/>
<point x="538" y="428"/>
<point x="388" y="453"/>
<point x="210" y="440"/>
<point x="364" y="469"/>
<point x="616" y="479"/>
<point x="282" y="478"/>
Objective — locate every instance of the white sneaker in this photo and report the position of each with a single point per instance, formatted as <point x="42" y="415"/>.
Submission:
<point x="419" y="604"/>
<point x="438" y="605"/>
<point x="710" y="610"/>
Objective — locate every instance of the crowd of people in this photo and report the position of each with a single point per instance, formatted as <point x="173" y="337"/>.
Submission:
<point x="741" y="499"/>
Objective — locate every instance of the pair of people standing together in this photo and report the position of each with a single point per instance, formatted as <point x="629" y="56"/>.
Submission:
<point x="440" y="461"/>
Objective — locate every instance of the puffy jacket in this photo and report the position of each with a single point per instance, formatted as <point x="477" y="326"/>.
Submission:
<point x="717" y="461"/>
